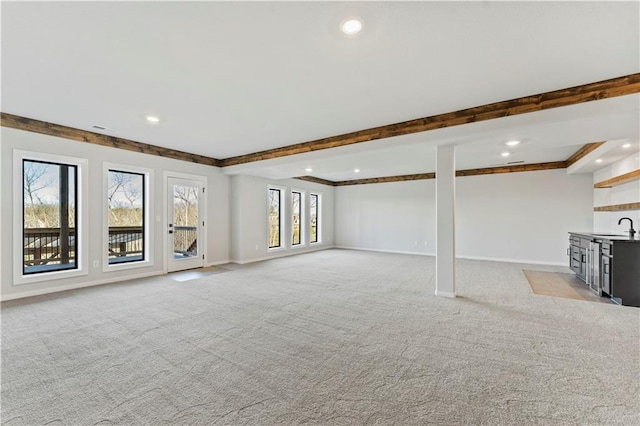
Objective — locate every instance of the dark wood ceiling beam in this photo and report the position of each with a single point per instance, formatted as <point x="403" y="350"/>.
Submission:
<point x="460" y="173"/>
<point x="614" y="87"/>
<point x="316" y="180"/>
<point x="385" y="179"/>
<point x="517" y="168"/>
<point x="586" y="149"/>
<point x="513" y="169"/>
<point x="632" y="176"/>
<point x="37" y="126"/>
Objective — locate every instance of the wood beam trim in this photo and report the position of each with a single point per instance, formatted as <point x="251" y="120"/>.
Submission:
<point x="51" y="129"/>
<point x="586" y="149"/>
<point x="513" y="169"/>
<point x="552" y="165"/>
<point x="619" y="180"/>
<point x="317" y="180"/>
<point x="614" y="87"/>
<point x="618" y="207"/>
<point x="460" y="173"/>
<point x="401" y="178"/>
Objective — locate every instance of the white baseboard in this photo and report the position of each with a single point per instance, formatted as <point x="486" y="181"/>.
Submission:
<point x="279" y="254"/>
<point x="385" y="251"/>
<point x="500" y="259"/>
<point x="447" y="294"/>
<point x="490" y="259"/>
<point x="217" y="263"/>
<point x="40" y="292"/>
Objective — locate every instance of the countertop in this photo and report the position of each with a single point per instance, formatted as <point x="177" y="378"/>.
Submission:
<point x="607" y="237"/>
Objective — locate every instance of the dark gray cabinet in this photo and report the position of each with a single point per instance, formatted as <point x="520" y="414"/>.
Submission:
<point x="578" y="255"/>
<point x="620" y="271"/>
<point x="618" y="265"/>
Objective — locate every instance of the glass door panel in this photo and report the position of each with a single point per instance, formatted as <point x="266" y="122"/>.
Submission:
<point x="185" y="224"/>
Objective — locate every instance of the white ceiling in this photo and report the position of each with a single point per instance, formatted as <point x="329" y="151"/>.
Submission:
<point x="231" y="78"/>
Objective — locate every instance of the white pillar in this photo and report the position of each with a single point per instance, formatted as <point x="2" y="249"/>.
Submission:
<point x="445" y="221"/>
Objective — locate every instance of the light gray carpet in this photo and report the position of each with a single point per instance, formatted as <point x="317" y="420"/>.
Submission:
<point x="334" y="338"/>
<point x="193" y="274"/>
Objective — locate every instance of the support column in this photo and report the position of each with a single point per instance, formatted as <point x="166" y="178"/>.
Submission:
<point x="445" y="221"/>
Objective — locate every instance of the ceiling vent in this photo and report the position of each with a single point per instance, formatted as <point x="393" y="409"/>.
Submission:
<point x="506" y="164"/>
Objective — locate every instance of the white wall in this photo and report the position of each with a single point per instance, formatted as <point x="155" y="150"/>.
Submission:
<point x="607" y="222"/>
<point x="395" y="216"/>
<point x="520" y="217"/>
<point x="249" y="231"/>
<point x="218" y="209"/>
<point x="516" y="217"/>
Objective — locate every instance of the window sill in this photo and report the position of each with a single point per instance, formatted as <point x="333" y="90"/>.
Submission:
<point x="113" y="267"/>
<point x="20" y="279"/>
<point x="275" y="249"/>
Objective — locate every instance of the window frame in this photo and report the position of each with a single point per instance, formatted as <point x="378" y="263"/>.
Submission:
<point x="75" y="203"/>
<point x="147" y="255"/>
<point x="301" y="219"/>
<point x="318" y="196"/>
<point x="281" y="218"/>
<point x="81" y="237"/>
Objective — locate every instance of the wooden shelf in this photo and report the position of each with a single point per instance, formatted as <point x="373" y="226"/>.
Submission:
<point x="619" y="180"/>
<point x="618" y="207"/>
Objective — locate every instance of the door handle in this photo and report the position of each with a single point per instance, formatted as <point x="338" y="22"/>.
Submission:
<point x="171" y="232"/>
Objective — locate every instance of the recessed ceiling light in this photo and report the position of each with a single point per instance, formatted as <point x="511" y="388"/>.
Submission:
<point x="351" y="26"/>
<point x="356" y="170"/>
<point x="505" y="154"/>
<point x="599" y="160"/>
<point x="308" y="169"/>
<point x="626" y="145"/>
<point x="152" y="119"/>
<point x="512" y="143"/>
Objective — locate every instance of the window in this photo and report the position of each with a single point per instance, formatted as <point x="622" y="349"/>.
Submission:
<point x="126" y="216"/>
<point x="49" y="216"/>
<point x="313" y="218"/>
<point x="275" y="215"/>
<point x="296" y="214"/>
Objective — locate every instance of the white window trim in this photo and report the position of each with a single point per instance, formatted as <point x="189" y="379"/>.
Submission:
<point x="18" y="218"/>
<point x="303" y="217"/>
<point x="148" y="209"/>
<point x="318" y="218"/>
<point x="284" y="223"/>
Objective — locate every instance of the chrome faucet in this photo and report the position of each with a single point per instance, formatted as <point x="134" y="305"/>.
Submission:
<point x="631" y="230"/>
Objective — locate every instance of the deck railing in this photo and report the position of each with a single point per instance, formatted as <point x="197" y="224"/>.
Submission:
<point x="185" y="240"/>
<point x="126" y="241"/>
<point x="42" y="245"/>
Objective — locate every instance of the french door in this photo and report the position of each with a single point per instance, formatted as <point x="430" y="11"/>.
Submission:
<point x="185" y="227"/>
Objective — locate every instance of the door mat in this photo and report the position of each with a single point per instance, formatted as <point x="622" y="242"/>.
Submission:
<point x="561" y="285"/>
<point x="193" y="274"/>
